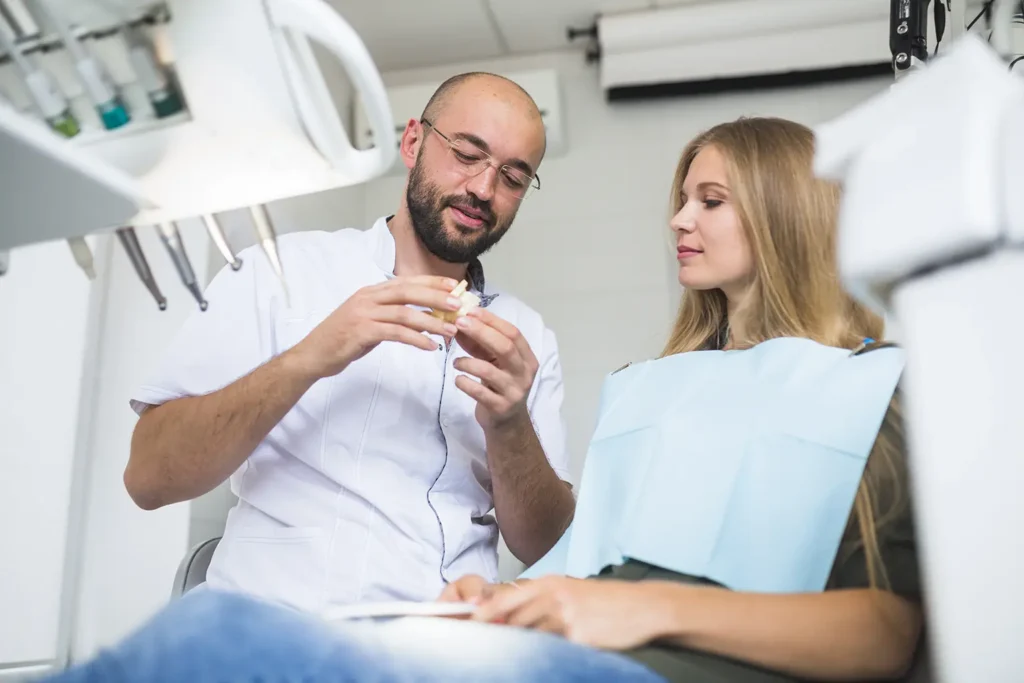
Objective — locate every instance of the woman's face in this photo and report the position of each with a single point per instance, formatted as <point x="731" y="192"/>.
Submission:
<point x="712" y="249"/>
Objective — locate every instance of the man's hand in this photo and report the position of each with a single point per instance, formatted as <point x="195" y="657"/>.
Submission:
<point x="503" y="364"/>
<point x="379" y="313"/>
<point x="612" y="615"/>
<point x="469" y="588"/>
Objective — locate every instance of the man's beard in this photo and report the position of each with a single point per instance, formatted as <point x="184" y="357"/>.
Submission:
<point x="426" y="208"/>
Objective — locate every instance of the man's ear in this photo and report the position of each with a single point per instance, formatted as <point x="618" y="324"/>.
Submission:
<point x="412" y="138"/>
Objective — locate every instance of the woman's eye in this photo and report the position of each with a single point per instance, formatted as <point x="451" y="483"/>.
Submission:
<point x="712" y="203"/>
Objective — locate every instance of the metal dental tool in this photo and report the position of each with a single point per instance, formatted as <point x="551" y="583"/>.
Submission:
<point x="221" y="242"/>
<point x="130" y="242"/>
<point x="268" y="240"/>
<point x="176" y="248"/>
<point x="83" y="256"/>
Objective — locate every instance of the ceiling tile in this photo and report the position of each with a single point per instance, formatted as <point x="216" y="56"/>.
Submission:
<point x="407" y="33"/>
<point x="539" y="25"/>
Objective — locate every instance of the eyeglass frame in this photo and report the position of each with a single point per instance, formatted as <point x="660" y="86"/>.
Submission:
<point x="488" y="158"/>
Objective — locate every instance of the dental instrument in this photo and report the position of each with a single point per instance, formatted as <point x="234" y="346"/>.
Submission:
<point x="176" y="248"/>
<point x="130" y="242"/>
<point x="220" y="241"/>
<point x="268" y="240"/>
<point x="83" y="256"/>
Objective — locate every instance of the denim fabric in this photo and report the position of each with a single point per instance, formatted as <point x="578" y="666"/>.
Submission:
<point x="209" y="636"/>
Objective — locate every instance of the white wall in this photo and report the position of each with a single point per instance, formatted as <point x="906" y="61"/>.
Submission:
<point x="128" y="556"/>
<point x="44" y="318"/>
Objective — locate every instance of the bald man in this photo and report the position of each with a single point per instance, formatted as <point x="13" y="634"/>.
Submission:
<point x="376" y="450"/>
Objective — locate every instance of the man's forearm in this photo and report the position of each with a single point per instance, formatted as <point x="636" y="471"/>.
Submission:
<point x="533" y="506"/>
<point x="187" y="447"/>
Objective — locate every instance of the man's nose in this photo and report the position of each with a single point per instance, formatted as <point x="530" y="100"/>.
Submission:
<point x="482" y="185"/>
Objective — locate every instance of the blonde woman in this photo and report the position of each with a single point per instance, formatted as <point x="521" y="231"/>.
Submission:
<point x="755" y="235"/>
<point x="743" y="514"/>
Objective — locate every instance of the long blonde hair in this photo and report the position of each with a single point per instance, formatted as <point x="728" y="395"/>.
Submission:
<point x="789" y="219"/>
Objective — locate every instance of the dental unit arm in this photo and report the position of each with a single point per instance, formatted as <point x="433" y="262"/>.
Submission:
<point x="259" y="125"/>
<point x="908" y="33"/>
<point x="931" y="233"/>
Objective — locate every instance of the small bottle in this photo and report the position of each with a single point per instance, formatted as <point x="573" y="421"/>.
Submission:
<point x="46" y="96"/>
<point x="161" y="90"/>
<point x="99" y="87"/>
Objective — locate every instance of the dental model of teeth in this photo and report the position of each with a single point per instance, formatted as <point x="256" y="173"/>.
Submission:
<point x="469" y="302"/>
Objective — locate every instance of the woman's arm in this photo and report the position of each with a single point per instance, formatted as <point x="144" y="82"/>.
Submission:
<point x="837" y="635"/>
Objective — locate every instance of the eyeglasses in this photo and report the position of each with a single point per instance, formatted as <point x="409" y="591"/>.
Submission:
<point x="471" y="161"/>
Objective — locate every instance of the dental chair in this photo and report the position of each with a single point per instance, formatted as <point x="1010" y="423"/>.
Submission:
<point x="192" y="569"/>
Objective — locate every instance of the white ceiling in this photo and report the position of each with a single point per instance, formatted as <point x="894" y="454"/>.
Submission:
<point x="409" y="33"/>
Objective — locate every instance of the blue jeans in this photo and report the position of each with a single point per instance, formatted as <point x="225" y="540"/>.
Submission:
<point x="212" y="636"/>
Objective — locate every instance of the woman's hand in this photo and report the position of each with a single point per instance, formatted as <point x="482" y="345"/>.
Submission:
<point x="613" y="615"/>
<point x="469" y="588"/>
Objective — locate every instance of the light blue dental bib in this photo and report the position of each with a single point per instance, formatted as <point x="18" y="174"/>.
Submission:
<point x="737" y="466"/>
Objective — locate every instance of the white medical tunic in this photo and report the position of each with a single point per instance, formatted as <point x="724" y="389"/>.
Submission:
<point x="375" y="486"/>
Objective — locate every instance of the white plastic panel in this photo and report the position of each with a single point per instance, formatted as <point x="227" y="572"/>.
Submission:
<point x="1012" y="180"/>
<point x="917" y="192"/>
<point x="962" y="329"/>
<point x="50" y="189"/>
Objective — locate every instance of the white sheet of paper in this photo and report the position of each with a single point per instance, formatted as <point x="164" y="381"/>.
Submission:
<point x="375" y="610"/>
